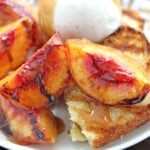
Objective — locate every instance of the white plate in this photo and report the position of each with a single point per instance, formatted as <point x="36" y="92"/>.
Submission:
<point x="64" y="141"/>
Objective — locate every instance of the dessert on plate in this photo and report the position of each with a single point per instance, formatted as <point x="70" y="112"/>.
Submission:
<point x="91" y="55"/>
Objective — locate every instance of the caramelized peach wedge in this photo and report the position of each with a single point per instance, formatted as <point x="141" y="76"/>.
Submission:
<point x="15" y="43"/>
<point x="106" y="74"/>
<point x="43" y="76"/>
<point x="13" y="10"/>
<point x="27" y="126"/>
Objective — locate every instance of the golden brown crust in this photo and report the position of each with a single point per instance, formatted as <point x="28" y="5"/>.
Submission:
<point x="127" y="39"/>
<point x="131" y="42"/>
<point x="116" y="131"/>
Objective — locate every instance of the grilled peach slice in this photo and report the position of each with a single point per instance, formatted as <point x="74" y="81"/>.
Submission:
<point x="106" y="74"/>
<point x="56" y="75"/>
<point x="15" y="43"/>
<point x="12" y="10"/>
<point x="27" y="126"/>
<point x="43" y="76"/>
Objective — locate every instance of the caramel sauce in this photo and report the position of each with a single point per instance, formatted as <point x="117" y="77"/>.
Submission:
<point x="99" y="113"/>
<point x="60" y="125"/>
<point x="118" y="3"/>
<point x="91" y="111"/>
<point x="46" y="21"/>
<point x="96" y="113"/>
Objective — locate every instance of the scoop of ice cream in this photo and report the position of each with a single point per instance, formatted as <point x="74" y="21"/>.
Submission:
<point x="91" y="19"/>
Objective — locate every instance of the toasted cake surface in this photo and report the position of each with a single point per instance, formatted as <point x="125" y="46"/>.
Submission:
<point x="131" y="42"/>
<point x="99" y="123"/>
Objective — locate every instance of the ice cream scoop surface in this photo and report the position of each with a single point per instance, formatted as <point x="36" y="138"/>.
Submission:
<point x="91" y="19"/>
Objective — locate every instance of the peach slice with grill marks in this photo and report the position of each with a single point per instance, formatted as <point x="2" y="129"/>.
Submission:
<point x="105" y="73"/>
<point x="13" y="10"/>
<point x="15" y="43"/>
<point x="27" y="126"/>
<point x="42" y="77"/>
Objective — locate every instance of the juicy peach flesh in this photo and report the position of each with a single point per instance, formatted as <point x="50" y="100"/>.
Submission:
<point x="27" y="126"/>
<point x="15" y="43"/>
<point x="106" y="74"/>
<point x="29" y="85"/>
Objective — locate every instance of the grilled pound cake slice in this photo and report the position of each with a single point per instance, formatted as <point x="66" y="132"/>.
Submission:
<point x="99" y="124"/>
<point x="131" y="42"/>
